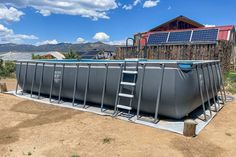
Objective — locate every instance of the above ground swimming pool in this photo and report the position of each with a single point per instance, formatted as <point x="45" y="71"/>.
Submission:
<point x="162" y="87"/>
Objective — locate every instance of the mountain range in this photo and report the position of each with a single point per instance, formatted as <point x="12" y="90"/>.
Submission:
<point x="61" y="47"/>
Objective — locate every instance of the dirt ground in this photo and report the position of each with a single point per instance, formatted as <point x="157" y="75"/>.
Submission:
<point x="33" y="129"/>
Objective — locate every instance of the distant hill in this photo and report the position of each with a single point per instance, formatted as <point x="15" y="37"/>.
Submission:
<point x="61" y="47"/>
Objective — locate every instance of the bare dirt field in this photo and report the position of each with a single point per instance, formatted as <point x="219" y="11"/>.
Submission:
<point x="33" y="129"/>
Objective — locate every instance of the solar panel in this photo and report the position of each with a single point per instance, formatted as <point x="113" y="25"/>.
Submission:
<point x="157" y="38"/>
<point x="180" y="36"/>
<point x="208" y="35"/>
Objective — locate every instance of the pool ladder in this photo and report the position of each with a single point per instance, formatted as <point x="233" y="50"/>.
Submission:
<point x="122" y="84"/>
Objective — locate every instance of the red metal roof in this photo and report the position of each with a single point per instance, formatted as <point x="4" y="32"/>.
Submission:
<point x="225" y="32"/>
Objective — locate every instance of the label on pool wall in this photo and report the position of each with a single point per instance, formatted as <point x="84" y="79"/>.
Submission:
<point x="57" y="76"/>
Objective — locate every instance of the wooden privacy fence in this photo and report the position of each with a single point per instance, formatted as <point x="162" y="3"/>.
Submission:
<point x="221" y="51"/>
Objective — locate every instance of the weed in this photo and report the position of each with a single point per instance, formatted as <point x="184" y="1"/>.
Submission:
<point x="228" y="134"/>
<point x="74" y="155"/>
<point x="106" y="140"/>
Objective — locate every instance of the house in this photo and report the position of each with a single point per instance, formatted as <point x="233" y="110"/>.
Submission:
<point x="182" y="30"/>
<point x="52" y="55"/>
<point x="182" y="38"/>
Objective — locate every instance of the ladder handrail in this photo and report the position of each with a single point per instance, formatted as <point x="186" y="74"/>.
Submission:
<point x="127" y="44"/>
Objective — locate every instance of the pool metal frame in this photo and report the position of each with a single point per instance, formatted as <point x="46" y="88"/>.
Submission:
<point x="199" y="67"/>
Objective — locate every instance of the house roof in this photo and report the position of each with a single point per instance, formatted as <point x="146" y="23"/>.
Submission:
<point x="179" y="18"/>
<point x="55" y="54"/>
<point x="225" y="32"/>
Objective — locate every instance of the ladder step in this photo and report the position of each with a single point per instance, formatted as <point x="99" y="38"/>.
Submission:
<point x="128" y="83"/>
<point x="126" y="95"/>
<point x="124" y="107"/>
<point x="129" y="72"/>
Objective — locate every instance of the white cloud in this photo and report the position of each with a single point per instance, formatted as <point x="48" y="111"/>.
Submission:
<point x="207" y="25"/>
<point x="80" y="40"/>
<point x="94" y="9"/>
<point x="119" y="42"/>
<point x="136" y="2"/>
<point x="101" y="36"/>
<point x="9" y="36"/>
<point x="10" y="14"/>
<point x="50" y="42"/>
<point x="130" y="6"/>
<point x="150" y="3"/>
<point x="116" y="42"/>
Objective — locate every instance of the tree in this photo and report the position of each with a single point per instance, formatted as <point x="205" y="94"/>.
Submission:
<point x="71" y="55"/>
<point x="36" y="56"/>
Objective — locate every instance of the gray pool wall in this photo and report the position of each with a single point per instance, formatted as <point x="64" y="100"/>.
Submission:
<point x="180" y="93"/>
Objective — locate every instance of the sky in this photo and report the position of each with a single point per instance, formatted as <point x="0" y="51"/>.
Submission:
<point x="111" y="21"/>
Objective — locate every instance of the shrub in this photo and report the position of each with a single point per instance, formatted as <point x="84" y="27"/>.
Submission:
<point x="71" y="55"/>
<point x="230" y="82"/>
<point x="8" y="69"/>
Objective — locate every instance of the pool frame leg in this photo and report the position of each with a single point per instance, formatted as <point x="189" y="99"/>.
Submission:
<point x="41" y="80"/>
<point x="87" y="84"/>
<point x="52" y="82"/>
<point x="211" y="84"/>
<point x="25" y="77"/>
<point x="219" y="82"/>
<point x="201" y="93"/>
<point x="159" y="93"/>
<point x="104" y="87"/>
<point x="141" y="90"/>
<point x="118" y="89"/>
<point x="215" y="87"/>
<point x="32" y="85"/>
<point x="206" y="88"/>
<point x="61" y="84"/>
<point x="17" y="83"/>
<point x="75" y="84"/>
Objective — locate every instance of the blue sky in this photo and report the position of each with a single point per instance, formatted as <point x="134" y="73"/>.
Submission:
<point x="111" y="21"/>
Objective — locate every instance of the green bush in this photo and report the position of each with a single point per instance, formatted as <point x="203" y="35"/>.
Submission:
<point x="36" y="56"/>
<point x="7" y="69"/>
<point x="71" y="55"/>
